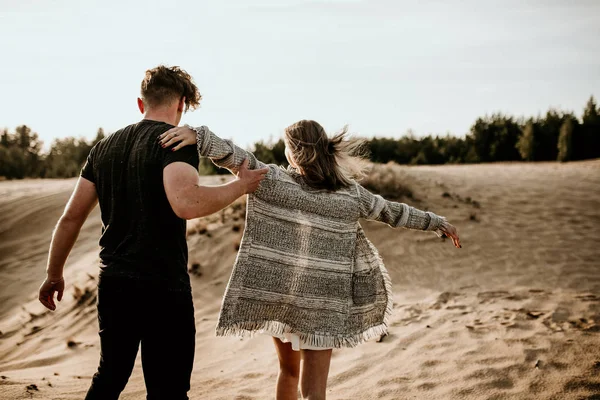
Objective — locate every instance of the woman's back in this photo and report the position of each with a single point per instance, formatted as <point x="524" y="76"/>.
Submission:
<point x="288" y="189"/>
<point x="287" y="216"/>
<point x="305" y="273"/>
<point x="304" y="264"/>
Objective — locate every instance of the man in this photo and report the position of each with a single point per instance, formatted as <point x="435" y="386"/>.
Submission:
<point x="145" y="193"/>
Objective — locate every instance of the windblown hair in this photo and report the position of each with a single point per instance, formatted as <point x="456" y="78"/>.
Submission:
<point x="163" y="85"/>
<point x="326" y="163"/>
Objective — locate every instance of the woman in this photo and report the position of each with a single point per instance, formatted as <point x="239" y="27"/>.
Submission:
<point x="305" y="272"/>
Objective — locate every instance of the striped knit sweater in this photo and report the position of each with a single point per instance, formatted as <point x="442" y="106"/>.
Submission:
<point x="305" y="265"/>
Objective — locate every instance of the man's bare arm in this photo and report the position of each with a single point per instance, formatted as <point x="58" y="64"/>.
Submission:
<point x="191" y="200"/>
<point x="82" y="202"/>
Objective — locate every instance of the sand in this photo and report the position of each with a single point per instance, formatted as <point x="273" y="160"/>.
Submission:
<point x="515" y="314"/>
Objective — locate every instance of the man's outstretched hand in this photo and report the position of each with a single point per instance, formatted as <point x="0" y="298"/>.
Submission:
<point x="250" y="178"/>
<point x="47" y="291"/>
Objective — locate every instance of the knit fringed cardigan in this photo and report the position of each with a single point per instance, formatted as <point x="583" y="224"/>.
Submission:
<point x="305" y="265"/>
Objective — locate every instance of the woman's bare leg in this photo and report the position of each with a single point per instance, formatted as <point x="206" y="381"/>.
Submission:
<point x="315" y="369"/>
<point x="289" y="371"/>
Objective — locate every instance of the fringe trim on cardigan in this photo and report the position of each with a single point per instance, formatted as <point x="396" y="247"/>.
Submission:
<point x="251" y="328"/>
<point x="389" y="308"/>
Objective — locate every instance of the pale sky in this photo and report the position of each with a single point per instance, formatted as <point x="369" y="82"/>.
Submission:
<point x="382" y="66"/>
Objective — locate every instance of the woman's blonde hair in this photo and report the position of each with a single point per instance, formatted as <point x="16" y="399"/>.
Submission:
<point x="326" y="163"/>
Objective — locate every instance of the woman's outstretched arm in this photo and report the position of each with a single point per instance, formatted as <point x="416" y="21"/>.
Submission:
<point x="223" y="153"/>
<point x="375" y="207"/>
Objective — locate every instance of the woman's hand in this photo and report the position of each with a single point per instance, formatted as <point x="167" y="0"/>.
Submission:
<point x="181" y="134"/>
<point x="450" y="231"/>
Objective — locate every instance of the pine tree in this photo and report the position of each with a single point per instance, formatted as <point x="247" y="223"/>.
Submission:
<point x="591" y="113"/>
<point x="526" y="143"/>
<point x="99" y="136"/>
<point x="565" y="140"/>
<point x="5" y="139"/>
<point x="590" y="146"/>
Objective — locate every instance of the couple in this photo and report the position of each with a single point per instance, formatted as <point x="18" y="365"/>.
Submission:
<point x="305" y="273"/>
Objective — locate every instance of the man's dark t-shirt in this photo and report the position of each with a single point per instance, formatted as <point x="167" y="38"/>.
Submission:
<point x="142" y="238"/>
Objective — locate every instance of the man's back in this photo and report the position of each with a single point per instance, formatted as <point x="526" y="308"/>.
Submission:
<point x="144" y="294"/>
<point x="142" y="237"/>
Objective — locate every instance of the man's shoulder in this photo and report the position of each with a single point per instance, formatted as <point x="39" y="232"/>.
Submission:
<point x="131" y="129"/>
<point x="111" y="136"/>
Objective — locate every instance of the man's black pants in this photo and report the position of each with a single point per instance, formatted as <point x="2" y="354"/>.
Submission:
<point x="131" y="312"/>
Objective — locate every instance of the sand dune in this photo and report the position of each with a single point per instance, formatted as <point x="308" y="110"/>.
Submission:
<point x="515" y="314"/>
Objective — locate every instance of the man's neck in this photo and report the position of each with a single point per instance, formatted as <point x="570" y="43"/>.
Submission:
<point x="161" y="116"/>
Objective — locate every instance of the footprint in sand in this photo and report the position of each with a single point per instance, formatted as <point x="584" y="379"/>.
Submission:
<point x="443" y="299"/>
<point x="392" y="387"/>
<point x="588" y="297"/>
<point x="430" y="363"/>
<point x="348" y="374"/>
<point x="427" y="386"/>
<point x="578" y="384"/>
<point x="486" y="297"/>
<point x="398" y="380"/>
<point x="253" y="375"/>
<point x="409" y="315"/>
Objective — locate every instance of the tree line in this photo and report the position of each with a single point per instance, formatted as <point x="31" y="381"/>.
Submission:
<point x="557" y="135"/>
<point x="21" y="155"/>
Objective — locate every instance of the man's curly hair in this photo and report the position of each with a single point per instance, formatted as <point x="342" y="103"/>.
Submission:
<point x="163" y="85"/>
